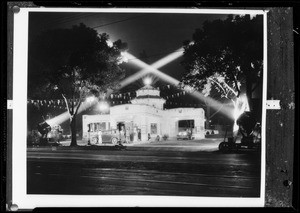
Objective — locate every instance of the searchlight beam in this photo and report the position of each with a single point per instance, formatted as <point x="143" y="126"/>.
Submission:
<point x="153" y="68"/>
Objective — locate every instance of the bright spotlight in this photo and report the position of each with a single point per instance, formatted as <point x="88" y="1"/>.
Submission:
<point x="147" y="81"/>
<point x="109" y="43"/>
<point x="123" y="58"/>
<point x="240" y="107"/>
<point x="103" y="106"/>
<point x="90" y="99"/>
<point x="246" y="103"/>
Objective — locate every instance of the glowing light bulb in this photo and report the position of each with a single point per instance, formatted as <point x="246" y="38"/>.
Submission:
<point x="103" y="106"/>
<point x="90" y="99"/>
<point x="147" y="81"/>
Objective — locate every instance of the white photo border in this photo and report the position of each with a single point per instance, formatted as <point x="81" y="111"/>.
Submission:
<point x="19" y="156"/>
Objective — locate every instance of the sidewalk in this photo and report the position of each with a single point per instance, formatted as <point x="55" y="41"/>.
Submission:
<point x="84" y="143"/>
<point x="207" y="145"/>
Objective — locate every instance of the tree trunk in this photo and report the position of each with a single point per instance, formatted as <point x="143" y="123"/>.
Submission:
<point x="249" y="84"/>
<point x="236" y="112"/>
<point x="207" y="116"/>
<point x="73" y="131"/>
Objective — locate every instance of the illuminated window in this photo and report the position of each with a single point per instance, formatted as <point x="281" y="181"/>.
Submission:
<point x="98" y="126"/>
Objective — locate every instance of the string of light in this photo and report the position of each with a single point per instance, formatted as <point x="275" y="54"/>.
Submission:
<point x="55" y="105"/>
<point x="128" y="95"/>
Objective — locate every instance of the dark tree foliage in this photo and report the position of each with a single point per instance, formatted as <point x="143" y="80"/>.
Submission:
<point x="227" y="54"/>
<point x="73" y="64"/>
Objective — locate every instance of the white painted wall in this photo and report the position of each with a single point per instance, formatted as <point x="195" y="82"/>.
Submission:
<point x="87" y="119"/>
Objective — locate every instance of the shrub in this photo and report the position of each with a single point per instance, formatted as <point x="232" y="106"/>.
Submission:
<point x="33" y="138"/>
<point x="165" y="137"/>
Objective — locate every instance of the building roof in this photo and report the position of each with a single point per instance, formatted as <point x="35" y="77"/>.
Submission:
<point x="148" y="87"/>
<point x="149" y="96"/>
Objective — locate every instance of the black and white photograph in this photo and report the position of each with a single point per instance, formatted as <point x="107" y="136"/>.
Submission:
<point x="145" y="103"/>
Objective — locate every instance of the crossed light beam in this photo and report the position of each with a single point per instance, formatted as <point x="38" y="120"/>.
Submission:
<point x="149" y="68"/>
<point x="153" y="68"/>
<point x="145" y="69"/>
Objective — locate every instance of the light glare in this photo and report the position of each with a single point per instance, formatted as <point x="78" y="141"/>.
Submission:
<point x="154" y="69"/>
<point x="103" y="106"/>
<point x="109" y="43"/>
<point x="147" y="81"/>
<point x="90" y="99"/>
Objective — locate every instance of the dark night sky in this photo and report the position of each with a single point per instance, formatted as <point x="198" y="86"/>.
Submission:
<point x="156" y="34"/>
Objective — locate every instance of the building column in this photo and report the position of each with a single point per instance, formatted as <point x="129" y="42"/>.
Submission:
<point x="144" y="129"/>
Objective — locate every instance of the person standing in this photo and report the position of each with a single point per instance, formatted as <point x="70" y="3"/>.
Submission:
<point x="139" y="135"/>
<point x="122" y="134"/>
<point x="135" y="135"/>
<point x="99" y="137"/>
<point x="89" y="134"/>
<point x="127" y="133"/>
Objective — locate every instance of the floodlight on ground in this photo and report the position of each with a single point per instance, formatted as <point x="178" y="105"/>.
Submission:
<point x="43" y="128"/>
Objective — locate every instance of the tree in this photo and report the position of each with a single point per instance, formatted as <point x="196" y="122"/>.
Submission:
<point x="226" y="56"/>
<point x="74" y="63"/>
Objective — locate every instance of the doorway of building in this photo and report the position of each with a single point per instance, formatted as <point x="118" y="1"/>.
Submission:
<point x="121" y="130"/>
<point x="129" y="131"/>
<point x="120" y="126"/>
<point x="186" y="127"/>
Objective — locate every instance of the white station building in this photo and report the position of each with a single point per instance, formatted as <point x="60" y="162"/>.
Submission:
<point x="145" y="114"/>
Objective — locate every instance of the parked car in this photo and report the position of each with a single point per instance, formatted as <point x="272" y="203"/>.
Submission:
<point x="184" y="135"/>
<point x="108" y="137"/>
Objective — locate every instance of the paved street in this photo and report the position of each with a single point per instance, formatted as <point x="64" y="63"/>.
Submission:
<point x="183" y="168"/>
